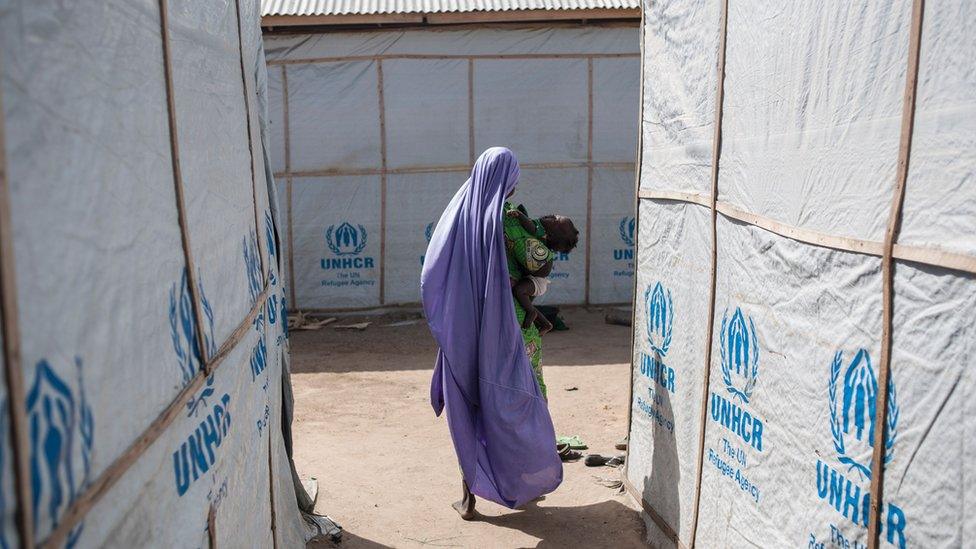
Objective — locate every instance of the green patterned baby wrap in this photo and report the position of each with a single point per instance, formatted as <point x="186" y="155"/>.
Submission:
<point x="526" y="253"/>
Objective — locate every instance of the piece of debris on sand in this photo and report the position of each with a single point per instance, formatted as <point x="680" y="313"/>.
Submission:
<point x="302" y="321"/>
<point x="357" y="327"/>
<point x="620" y="317"/>
<point x="401" y="323"/>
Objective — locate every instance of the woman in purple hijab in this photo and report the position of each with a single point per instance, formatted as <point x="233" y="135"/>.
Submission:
<point x="498" y="419"/>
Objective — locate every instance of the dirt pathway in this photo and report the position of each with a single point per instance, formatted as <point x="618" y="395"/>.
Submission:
<point x="386" y="467"/>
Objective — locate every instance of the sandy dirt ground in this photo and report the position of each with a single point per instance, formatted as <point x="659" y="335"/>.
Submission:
<point x="385" y="464"/>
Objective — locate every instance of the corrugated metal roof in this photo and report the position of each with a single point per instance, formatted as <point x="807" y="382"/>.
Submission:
<point x="375" y="7"/>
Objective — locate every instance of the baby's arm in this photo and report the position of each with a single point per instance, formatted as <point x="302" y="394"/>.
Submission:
<point x="523" y="220"/>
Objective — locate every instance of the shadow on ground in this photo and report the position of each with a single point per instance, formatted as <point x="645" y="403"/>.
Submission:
<point x="384" y="348"/>
<point x="596" y="525"/>
<point x="349" y="541"/>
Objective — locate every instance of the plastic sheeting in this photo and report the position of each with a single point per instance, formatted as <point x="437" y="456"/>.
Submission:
<point x="375" y="131"/>
<point x="810" y="142"/>
<point x="106" y="327"/>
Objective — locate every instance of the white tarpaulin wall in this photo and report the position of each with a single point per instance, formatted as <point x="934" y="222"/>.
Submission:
<point x="759" y="370"/>
<point x="373" y="132"/>
<point x="143" y="310"/>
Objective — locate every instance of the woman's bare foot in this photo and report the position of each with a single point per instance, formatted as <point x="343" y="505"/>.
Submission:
<point x="465" y="507"/>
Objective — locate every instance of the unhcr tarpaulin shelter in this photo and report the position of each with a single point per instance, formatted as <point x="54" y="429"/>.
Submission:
<point x="805" y="295"/>
<point x="373" y="129"/>
<point x="143" y="320"/>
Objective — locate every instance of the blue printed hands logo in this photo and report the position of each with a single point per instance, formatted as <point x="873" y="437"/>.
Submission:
<point x="269" y="234"/>
<point x="429" y="232"/>
<point x="855" y="424"/>
<point x="627" y="225"/>
<point x="739" y="345"/>
<point x="183" y="326"/>
<point x="346" y="239"/>
<point x="252" y="266"/>
<point x="198" y="401"/>
<point x="660" y="318"/>
<point x="62" y="430"/>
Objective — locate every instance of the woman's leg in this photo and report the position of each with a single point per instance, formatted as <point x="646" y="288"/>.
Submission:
<point x="465" y="507"/>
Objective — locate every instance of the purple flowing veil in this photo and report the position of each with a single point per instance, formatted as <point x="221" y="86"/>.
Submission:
<point x="499" y="422"/>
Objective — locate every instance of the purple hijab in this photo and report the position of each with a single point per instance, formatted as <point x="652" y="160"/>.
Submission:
<point x="500" y="423"/>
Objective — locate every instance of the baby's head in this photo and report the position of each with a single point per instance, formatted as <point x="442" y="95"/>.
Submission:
<point x="561" y="235"/>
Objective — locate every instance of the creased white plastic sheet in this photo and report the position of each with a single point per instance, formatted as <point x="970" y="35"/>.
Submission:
<point x="930" y="475"/>
<point x="616" y="105"/>
<point x="784" y="313"/>
<point x="336" y="239"/>
<point x="427" y="105"/>
<point x="812" y="113"/>
<point x="333" y="116"/>
<point x="276" y="119"/>
<point x="939" y="200"/>
<point x="105" y="323"/>
<point x="415" y="202"/>
<point x="811" y="137"/>
<point x="218" y="190"/>
<point x="92" y="205"/>
<point x="515" y="105"/>
<point x="671" y="320"/>
<point x="680" y="54"/>
<point x="612" y="245"/>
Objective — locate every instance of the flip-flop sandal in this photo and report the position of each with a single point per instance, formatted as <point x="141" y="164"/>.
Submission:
<point x="596" y="460"/>
<point x="574" y="441"/>
<point x="566" y="453"/>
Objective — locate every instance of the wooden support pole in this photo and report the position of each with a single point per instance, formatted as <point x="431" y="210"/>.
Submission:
<point x="13" y="369"/>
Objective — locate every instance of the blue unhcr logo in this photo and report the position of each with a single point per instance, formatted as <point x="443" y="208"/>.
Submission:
<point x="660" y="318"/>
<point x="739" y="347"/>
<point x="659" y="321"/>
<point x="269" y="234"/>
<point x="626" y="231"/>
<point x="627" y="225"/>
<point x="198" y="452"/>
<point x="183" y="326"/>
<point x="346" y="239"/>
<point x="428" y="234"/>
<point x="852" y="429"/>
<point x="62" y="431"/>
<point x="346" y="243"/>
<point x="855" y="427"/>
<point x="740" y="354"/>
<point x="252" y="266"/>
